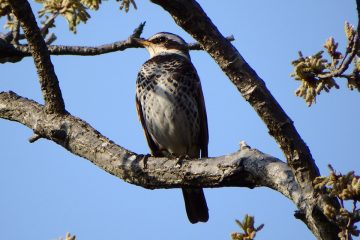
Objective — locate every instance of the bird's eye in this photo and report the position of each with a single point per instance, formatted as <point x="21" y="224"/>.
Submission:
<point x="161" y="39"/>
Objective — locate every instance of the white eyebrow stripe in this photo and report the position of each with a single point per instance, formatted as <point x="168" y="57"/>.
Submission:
<point x="169" y="36"/>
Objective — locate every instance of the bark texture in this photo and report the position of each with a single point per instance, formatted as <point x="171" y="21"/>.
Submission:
<point x="245" y="168"/>
<point x="189" y="15"/>
<point x="15" y="53"/>
<point x="45" y="69"/>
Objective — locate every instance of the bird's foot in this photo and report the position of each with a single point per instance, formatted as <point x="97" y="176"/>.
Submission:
<point x="145" y="159"/>
<point x="180" y="160"/>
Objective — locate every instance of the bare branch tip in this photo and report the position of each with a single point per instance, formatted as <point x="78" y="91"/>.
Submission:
<point x="331" y="168"/>
<point x="231" y="38"/>
<point x="50" y="39"/>
<point x="138" y="31"/>
<point x="244" y="145"/>
<point x="34" y="138"/>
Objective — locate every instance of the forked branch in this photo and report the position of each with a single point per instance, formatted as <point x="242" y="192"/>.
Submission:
<point x="45" y="69"/>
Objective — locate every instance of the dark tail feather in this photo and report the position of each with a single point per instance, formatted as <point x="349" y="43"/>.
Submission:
<point x="195" y="204"/>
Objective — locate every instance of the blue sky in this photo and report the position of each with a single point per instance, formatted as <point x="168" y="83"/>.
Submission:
<point x="46" y="191"/>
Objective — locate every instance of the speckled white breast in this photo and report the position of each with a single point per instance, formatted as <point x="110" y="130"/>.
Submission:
<point x="169" y="108"/>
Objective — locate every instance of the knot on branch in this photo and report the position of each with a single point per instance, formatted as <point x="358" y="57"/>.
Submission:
<point x="60" y="135"/>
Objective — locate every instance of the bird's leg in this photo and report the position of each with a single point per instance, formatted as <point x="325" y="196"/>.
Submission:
<point x="180" y="159"/>
<point x="145" y="159"/>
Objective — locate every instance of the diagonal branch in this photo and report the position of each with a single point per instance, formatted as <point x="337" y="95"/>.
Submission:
<point x="245" y="168"/>
<point x="189" y="15"/>
<point x="45" y="69"/>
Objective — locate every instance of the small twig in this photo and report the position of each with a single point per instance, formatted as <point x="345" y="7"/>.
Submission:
<point x="9" y="51"/>
<point x="15" y="36"/>
<point x="86" y="50"/>
<point x="138" y="31"/>
<point x="346" y="61"/>
<point x="24" y="51"/>
<point x="16" y="33"/>
<point x="50" y="21"/>
<point x="34" y="138"/>
<point x="97" y="50"/>
<point x="345" y="57"/>
<point x="50" y="39"/>
<point x="244" y="145"/>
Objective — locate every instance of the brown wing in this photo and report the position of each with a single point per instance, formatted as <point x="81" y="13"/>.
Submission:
<point x="191" y="73"/>
<point x="204" y="131"/>
<point x="195" y="202"/>
<point x="152" y="145"/>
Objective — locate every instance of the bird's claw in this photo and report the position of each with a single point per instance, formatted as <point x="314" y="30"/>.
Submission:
<point x="180" y="159"/>
<point x="145" y="158"/>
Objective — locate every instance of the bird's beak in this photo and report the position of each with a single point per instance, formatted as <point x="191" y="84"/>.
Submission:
<point x="142" y="42"/>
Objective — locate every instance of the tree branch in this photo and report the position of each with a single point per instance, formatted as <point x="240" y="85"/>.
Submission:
<point x="11" y="53"/>
<point x="245" y="168"/>
<point x="48" y="23"/>
<point x="338" y="72"/>
<point x="47" y="77"/>
<point x="189" y="15"/>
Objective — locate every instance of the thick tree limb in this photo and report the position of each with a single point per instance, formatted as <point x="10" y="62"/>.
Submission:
<point x="246" y="168"/>
<point x="189" y="15"/>
<point x="45" y="69"/>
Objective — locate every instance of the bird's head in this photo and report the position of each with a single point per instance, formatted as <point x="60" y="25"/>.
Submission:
<point x="164" y="43"/>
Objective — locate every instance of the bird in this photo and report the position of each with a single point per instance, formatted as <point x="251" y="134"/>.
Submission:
<point x="171" y="108"/>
